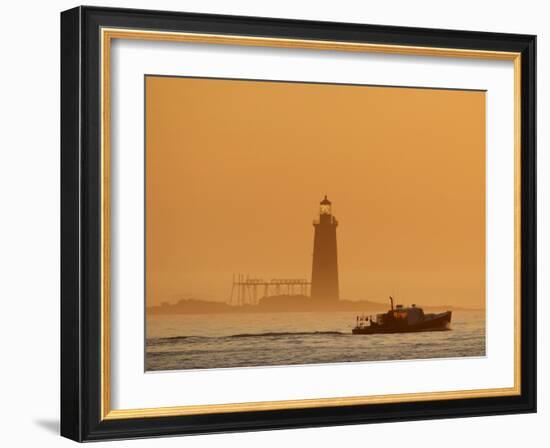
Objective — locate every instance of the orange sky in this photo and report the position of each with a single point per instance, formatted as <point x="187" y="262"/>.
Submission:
<point x="235" y="171"/>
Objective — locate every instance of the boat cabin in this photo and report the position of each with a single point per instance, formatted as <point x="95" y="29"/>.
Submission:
<point x="409" y="315"/>
<point x="398" y="315"/>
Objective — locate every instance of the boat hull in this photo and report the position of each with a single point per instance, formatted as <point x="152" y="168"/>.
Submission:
<point x="439" y="322"/>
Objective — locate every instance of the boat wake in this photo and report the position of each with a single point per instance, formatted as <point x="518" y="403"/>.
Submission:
<point x="270" y="334"/>
<point x="287" y="333"/>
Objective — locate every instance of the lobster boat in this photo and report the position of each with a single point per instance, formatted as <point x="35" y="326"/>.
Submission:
<point x="402" y="320"/>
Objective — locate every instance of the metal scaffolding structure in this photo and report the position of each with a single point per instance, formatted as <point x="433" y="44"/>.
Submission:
<point x="246" y="290"/>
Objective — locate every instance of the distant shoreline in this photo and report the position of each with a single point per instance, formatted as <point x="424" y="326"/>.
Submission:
<point x="283" y="304"/>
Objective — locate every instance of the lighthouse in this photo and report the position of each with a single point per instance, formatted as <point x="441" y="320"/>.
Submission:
<point x="324" y="276"/>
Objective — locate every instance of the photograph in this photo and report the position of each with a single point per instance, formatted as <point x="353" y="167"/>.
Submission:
<point x="273" y="222"/>
<point x="295" y="223"/>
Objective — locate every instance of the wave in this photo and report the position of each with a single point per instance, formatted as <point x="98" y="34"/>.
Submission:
<point x="249" y="335"/>
<point x="286" y="333"/>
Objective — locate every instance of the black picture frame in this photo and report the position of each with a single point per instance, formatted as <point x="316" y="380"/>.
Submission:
<point x="81" y="227"/>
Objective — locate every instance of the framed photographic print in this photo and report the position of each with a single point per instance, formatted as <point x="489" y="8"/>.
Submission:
<point x="272" y="223"/>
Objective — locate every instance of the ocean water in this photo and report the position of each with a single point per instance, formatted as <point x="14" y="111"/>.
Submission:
<point x="211" y="341"/>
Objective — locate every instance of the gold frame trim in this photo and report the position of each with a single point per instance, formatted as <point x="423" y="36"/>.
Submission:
<point x="107" y="35"/>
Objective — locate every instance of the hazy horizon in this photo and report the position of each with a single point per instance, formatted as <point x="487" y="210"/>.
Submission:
<point x="382" y="301"/>
<point x="236" y="170"/>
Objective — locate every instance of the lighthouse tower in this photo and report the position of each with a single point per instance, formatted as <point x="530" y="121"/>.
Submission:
<point x="324" y="277"/>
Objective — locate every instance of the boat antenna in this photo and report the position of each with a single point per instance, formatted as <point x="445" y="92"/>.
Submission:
<point x="391" y="302"/>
